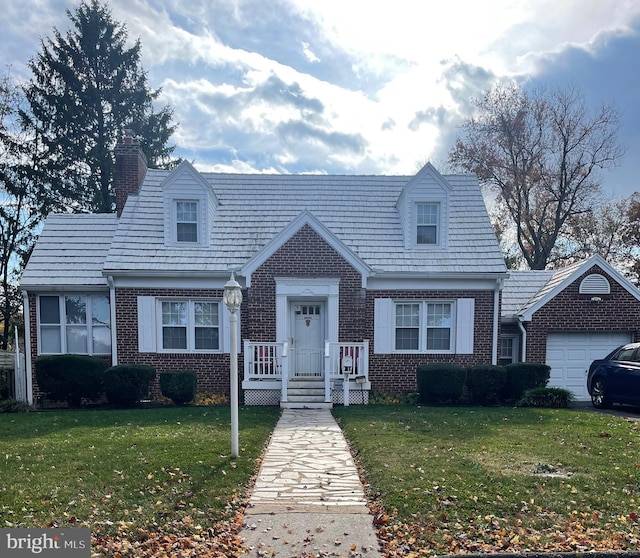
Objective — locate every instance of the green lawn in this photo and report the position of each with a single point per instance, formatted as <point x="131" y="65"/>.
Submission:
<point x="151" y="481"/>
<point x="499" y="479"/>
<point x="127" y="472"/>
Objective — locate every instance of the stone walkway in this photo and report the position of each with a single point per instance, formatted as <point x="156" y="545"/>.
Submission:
<point x="308" y="499"/>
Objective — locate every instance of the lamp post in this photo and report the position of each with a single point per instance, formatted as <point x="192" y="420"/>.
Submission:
<point x="232" y="299"/>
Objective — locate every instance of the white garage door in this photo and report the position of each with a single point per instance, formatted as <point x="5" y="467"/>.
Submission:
<point x="570" y="354"/>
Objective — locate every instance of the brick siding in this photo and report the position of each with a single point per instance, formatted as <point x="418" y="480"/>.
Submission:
<point x="212" y="369"/>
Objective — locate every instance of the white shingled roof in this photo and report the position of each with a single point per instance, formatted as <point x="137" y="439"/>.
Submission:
<point x="359" y="210"/>
<point x="521" y="289"/>
<point x="524" y="292"/>
<point x="71" y="250"/>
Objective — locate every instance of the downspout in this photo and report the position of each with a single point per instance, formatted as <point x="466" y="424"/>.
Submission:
<point x="496" y="320"/>
<point x="112" y="310"/>
<point x="27" y="346"/>
<point x="524" y="338"/>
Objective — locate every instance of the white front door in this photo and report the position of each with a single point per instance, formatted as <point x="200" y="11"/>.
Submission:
<point x="307" y="340"/>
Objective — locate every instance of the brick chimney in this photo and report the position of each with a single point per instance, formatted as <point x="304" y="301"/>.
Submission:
<point x="131" y="166"/>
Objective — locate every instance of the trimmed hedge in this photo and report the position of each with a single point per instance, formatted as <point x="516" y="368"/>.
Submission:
<point x="522" y="376"/>
<point x="70" y="377"/>
<point x="179" y="385"/>
<point x="552" y="397"/>
<point x="486" y="383"/>
<point x="126" y="384"/>
<point x="440" y="383"/>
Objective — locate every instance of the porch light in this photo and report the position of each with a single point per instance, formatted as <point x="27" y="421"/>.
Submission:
<point x="232" y="299"/>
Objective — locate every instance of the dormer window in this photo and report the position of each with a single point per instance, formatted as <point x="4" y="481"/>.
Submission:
<point x="186" y="221"/>
<point x="427" y="223"/>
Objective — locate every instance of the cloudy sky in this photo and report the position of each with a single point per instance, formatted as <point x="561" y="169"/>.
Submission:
<point x="356" y="86"/>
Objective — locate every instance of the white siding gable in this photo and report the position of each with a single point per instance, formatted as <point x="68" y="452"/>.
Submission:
<point x="187" y="185"/>
<point x="428" y="186"/>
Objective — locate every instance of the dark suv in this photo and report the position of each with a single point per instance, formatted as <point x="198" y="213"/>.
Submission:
<point x="616" y="377"/>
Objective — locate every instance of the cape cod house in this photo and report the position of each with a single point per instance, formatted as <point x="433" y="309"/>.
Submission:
<point x="348" y="281"/>
<point x="352" y="279"/>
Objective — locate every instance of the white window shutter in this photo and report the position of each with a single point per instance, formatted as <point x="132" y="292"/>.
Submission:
<point x="465" y="309"/>
<point x="147" y="324"/>
<point x="383" y="326"/>
<point x="225" y="316"/>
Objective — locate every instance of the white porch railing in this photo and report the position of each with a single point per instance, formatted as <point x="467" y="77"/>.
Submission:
<point x="270" y="361"/>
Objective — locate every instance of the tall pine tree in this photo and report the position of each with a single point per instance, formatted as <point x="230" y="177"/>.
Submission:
<point x="87" y="87"/>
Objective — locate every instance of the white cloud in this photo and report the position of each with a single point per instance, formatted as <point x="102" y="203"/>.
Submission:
<point x="357" y="85"/>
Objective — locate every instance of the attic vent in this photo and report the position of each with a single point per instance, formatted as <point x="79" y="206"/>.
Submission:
<point x="595" y="284"/>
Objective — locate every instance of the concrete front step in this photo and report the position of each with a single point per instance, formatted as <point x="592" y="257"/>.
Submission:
<point x="305" y="393"/>
<point x="304" y="405"/>
<point x="311" y="384"/>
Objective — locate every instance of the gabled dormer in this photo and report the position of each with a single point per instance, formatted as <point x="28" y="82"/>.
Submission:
<point x="189" y="204"/>
<point x="424" y="205"/>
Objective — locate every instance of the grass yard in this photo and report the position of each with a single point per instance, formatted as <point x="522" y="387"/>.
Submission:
<point x="498" y="479"/>
<point x="129" y="474"/>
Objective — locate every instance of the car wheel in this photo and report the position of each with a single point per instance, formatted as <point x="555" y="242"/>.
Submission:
<point x="599" y="397"/>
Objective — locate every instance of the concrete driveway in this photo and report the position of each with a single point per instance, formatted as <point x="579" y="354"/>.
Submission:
<point x="625" y="411"/>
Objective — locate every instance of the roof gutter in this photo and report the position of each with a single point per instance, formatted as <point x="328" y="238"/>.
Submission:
<point x="496" y="320"/>
<point x="27" y="346"/>
<point x="524" y="337"/>
<point x="112" y="310"/>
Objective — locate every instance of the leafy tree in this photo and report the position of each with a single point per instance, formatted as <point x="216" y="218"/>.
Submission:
<point x="88" y="86"/>
<point x="631" y="234"/>
<point x="18" y="211"/>
<point x="605" y="231"/>
<point x="540" y="153"/>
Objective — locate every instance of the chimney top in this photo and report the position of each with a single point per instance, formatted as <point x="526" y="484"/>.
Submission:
<point x="128" y="138"/>
<point x="131" y="166"/>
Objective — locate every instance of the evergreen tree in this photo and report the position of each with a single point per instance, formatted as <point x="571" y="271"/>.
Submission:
<point x="87" y="87"/>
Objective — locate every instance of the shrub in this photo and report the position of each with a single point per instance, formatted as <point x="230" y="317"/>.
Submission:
<point x="70" y="377"/>
<point x="14" y="406"/>
<point x="179" y="385"/>
<point x="552" y="397"/>
<point x="486" y="383"/>
<point x="208" y="399"/>
<point x="126" y="384"/>
<point x="440" y="383"/>
<point x="522" y="376"/>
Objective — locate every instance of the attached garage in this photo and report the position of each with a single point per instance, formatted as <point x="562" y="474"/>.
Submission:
<point x="567" y="318"/>
<point x="570" y="354"/>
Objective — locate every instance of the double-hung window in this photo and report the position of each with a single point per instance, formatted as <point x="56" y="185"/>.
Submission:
<point x="423" y="326"/>
<point x="186" y="221"/>
<point x="427" y="223"/>
<point x="508" y="348"/>
<point x="190" y="325"/>
<point x="79" y="324"/>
